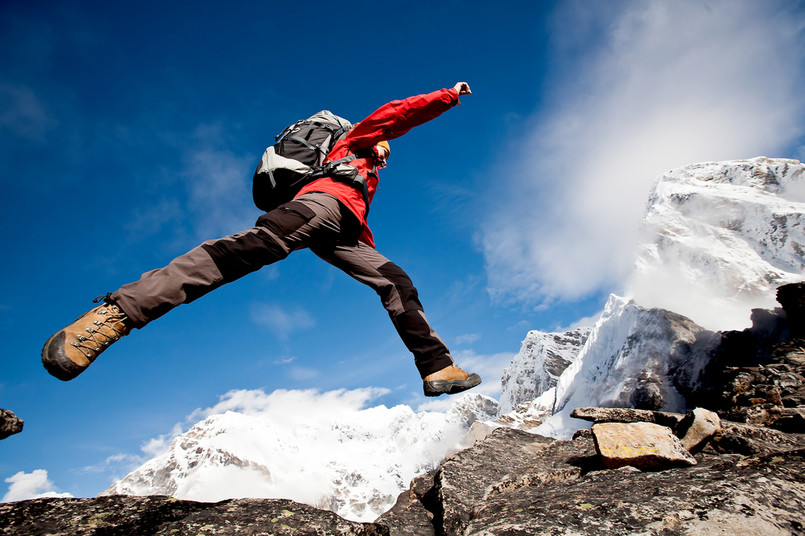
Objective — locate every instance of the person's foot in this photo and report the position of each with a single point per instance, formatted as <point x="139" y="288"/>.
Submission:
<point x="450" y="380"/>
<point x="70" y="351"/>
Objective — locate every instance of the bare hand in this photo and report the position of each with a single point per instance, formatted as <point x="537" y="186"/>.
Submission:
<point x="463" y="88"/>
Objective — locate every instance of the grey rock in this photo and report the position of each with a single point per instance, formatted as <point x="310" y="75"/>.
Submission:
<point x="628" y="415"/>
<point x="410" y="515"/>
<point x="163" y="516"/>
<point x="505" y="461"/>
<point x="720" y="495"/>
<point x="10" y="424"/>
<point x="698" y="427"/>
<point x="753" y="440"/>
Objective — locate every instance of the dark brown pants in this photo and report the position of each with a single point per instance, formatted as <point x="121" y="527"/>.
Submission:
<point x="316" y="221"/>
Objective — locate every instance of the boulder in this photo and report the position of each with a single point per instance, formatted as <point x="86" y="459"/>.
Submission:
<point x="505" y="461"/>
<point x="412" y="514"/>
<point x="642" y="445"/>
<point x="753" y="440"/>
<point x="698" y="427"/>
<point x="628" y="415"/>
<point x="10" y="424"/>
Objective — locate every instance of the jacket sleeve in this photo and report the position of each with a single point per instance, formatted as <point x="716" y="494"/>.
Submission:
<point x="394" y="119"/>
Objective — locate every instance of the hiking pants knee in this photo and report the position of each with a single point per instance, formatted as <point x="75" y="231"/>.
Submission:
<point x="315" y="220"/>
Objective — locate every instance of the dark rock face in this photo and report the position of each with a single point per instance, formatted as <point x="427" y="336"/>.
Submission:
<point x="792" y="298"/>
<point x="163" y="516"/>
<point x="516" y="483"/>
<point x="718" y="496"/>
<point x="10" y="424"/>
<point x="757" y="375"/>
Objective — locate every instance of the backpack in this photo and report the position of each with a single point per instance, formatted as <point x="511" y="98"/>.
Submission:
<point x="297" y="157"/>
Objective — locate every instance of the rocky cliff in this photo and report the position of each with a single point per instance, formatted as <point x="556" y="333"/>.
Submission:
<point x="635" y="472"/>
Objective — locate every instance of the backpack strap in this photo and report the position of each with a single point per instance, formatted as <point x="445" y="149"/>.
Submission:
<point x="348" y="176"/>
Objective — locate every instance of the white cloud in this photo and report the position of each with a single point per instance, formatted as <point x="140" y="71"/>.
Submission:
<point x="31" y="485"/>
<point x="281" y="320"/>
<point x="468" y="338"/>
<point x="159" y="445"/>
<point x="306" y="403"/>
<point x="218" y="182"/>
<point x="658" y="85"/>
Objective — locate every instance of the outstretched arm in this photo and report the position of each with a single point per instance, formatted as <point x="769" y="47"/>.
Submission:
<point x="394" y="119"/>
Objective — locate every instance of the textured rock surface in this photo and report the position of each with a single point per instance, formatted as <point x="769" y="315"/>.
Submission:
<point x="516" y="483"/>
<point x="753" y="440"/>
<point x="511" y="483"/>
<point x="10" y="424"/>
<point x="625" y="415"/>
<point x="757" y="375"/>
<point x="506" y="460"/>
<point x="642" y="445"/>
<point x="163" y="516"/>
<point x="699" y="427"/>
<point x="755" y="496"/>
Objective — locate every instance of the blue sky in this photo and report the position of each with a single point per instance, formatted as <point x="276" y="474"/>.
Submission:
<point x="129" y="133"/>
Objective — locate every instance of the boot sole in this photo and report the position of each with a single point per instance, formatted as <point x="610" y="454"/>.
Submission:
<point x="56" y="361"/>
<point x="450" y="387"/>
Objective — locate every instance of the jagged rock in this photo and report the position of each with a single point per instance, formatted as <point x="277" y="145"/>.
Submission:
<point x="751" y="440"/>
<point x="516" y="483"/>
<point x="698" y="427"/>
<point x="10" y="424"/>
<point x="628" y="415"/>
<point x="720" y="495"/>
<point x="792" y="298"/>
<point x="792" y="420"/>
<point x="163" y="516"/>
<point x="505" y="461"/>
<point x="412" y="513"/>
<point x="641" y="445"/>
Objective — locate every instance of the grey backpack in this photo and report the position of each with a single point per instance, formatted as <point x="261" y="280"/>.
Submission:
<point x="297" y="157"/>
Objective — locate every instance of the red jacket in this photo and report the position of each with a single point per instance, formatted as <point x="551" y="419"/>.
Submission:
<point x="386" y="123"/>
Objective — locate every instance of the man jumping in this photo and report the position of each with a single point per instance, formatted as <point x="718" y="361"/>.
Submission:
<point x="329" y="217"/>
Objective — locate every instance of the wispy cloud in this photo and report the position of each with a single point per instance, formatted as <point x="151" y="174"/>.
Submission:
<point x="282" y="320"/>
<point x="218" y="184"/>
<point x="467" y="339"/>
<point x="658" y="85"/>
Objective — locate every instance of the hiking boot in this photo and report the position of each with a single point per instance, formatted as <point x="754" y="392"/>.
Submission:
<point x="449" y="380"/>
<point x="69" y="351"/>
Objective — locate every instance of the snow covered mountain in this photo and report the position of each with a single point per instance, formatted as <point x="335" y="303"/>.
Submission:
<point x="333" y="455"/>
<point x="720" y="237"/>
<point x="535" y="369"/>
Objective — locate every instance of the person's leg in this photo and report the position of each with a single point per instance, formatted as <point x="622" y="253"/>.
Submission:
<point x="313" y="218"/>
<point x="214" y="263"/>
<point x="401" y="301"/>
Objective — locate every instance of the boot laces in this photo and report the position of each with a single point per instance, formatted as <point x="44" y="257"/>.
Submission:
<point x="104" y="331"/>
